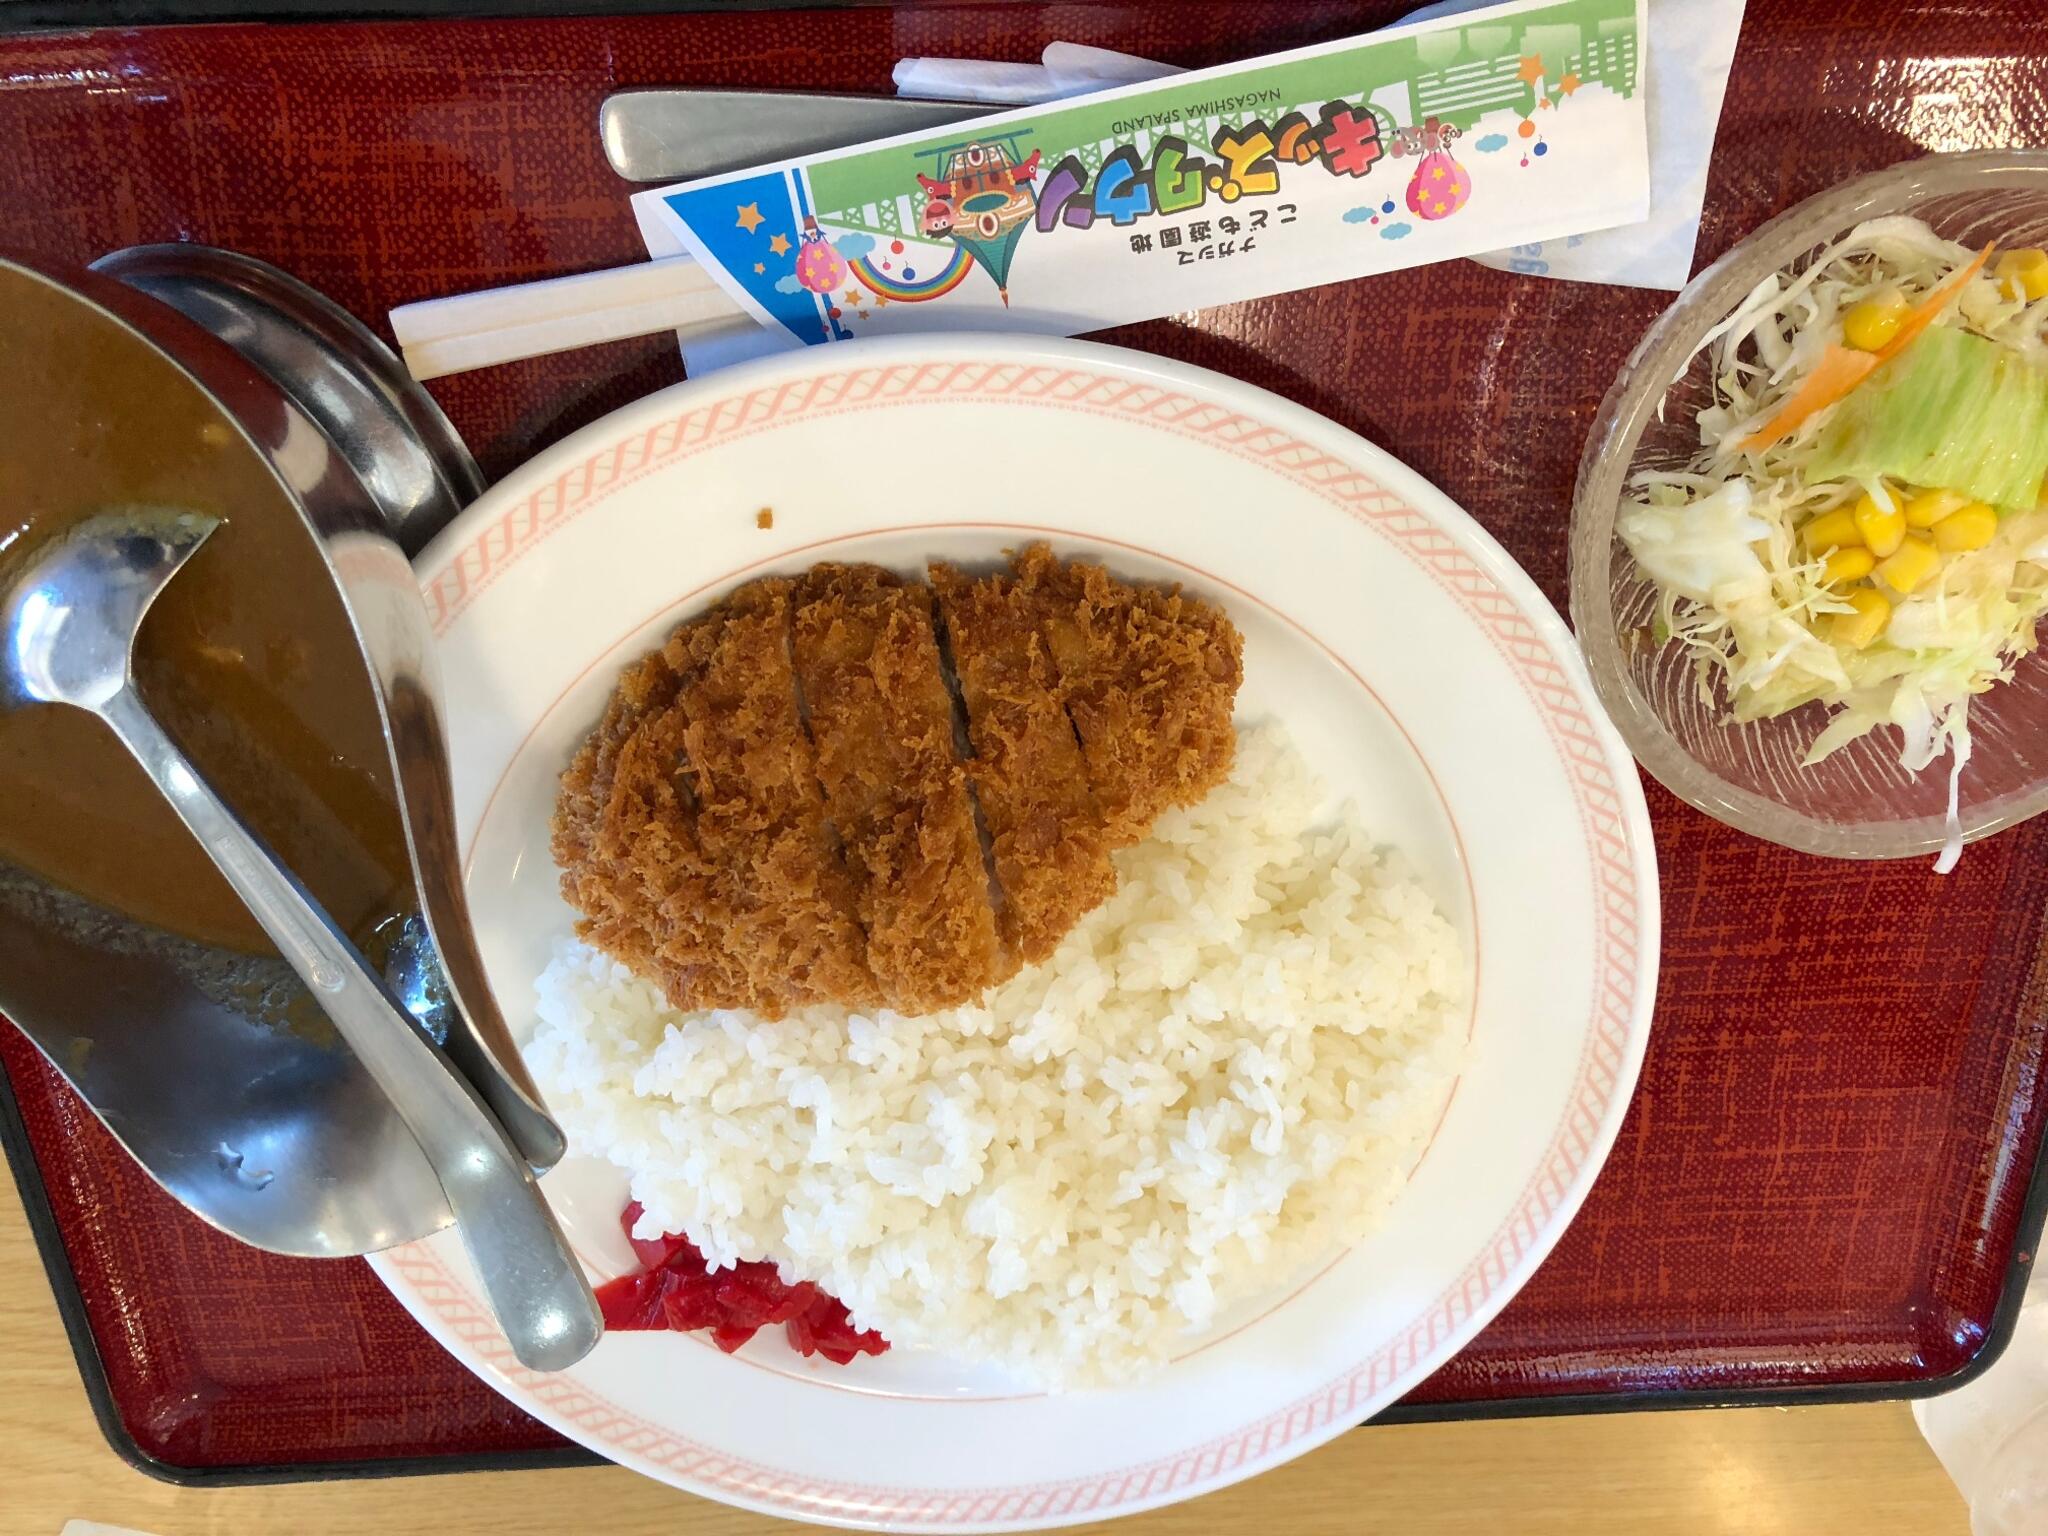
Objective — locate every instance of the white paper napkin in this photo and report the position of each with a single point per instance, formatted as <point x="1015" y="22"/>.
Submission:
<point x="1065" y="69"/>
<point x="998" y="84"/>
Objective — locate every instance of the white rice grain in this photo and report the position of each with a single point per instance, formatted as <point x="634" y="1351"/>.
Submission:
<point x="1221" y="1073"/>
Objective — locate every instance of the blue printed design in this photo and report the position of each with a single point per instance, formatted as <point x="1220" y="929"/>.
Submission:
<point x="754" y="224"/>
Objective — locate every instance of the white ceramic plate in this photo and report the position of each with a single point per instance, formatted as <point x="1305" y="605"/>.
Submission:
<point x="1419" y="669"/>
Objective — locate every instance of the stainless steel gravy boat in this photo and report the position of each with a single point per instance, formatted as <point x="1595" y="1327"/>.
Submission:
<point x="276" y="1135"/>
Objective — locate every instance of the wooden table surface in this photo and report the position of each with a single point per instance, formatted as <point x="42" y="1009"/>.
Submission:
<point x="1862" y="1471"/>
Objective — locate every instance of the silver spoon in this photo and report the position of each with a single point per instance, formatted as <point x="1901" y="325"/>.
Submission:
<point x="67" y="629"/>
<point x="389" y="438"/>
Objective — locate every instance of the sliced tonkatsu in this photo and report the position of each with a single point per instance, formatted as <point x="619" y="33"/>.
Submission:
<point x="777" y="808"/>
<point x="625" y="835"/>
<point x="691" y="828"/>
<point x="1149" y="677"/>
<point x="881" y="718"/>
<point x="760" y="813"/>
<point x="1044" y="829"/>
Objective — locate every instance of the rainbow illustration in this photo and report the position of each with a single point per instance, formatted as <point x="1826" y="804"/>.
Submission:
<point x="944" y="281"/>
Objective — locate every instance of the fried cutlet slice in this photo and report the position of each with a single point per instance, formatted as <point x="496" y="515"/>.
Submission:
<point x="1149" y="677"/>
<point x="785" y="904"/>
<point x="881" y="720"/>
<point x="742" y="855"/>
<point x="585" y="803"/>
<point x="625" y="837"/>
<point x="1028" y="772"/>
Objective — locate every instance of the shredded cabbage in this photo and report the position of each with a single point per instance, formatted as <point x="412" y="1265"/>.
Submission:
<point x="1719" y="538"/>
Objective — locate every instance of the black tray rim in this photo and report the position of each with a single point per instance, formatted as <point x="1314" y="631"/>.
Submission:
<point x="42" y="1222"/>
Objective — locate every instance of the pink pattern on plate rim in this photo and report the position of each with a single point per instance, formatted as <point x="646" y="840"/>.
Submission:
<point x="524" y="527"/>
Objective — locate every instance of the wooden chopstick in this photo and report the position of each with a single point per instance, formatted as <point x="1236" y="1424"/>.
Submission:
<point x="503" y="325"/>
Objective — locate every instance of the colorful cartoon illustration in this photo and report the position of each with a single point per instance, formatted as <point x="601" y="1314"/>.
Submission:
<point x="819" y="267"/>
<point x="1256" y="166"/>
<point x="983" y="204"/>
<point x="1440" y="185"/>
<point x="898" y="281"/>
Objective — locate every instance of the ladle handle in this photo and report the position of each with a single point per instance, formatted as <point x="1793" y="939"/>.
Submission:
<point x="535" y="1286"/>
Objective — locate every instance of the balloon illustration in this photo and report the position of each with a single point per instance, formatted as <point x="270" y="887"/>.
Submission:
<point x="1440" y="186"/>
<point x="818" y="267"/>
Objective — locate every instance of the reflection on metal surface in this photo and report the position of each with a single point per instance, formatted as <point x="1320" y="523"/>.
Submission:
<point x="69" y="618"/>
<point x="354" y="397"/>
<point x="404" y="951"/>
<point x="259" y="988"/>
<point x="368" y="1184"/>
<point x="232" y="1164"/>
<point x="299" y="1108"/>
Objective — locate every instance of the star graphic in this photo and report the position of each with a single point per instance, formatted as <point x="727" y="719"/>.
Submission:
<point x="749" y="217"/>
<point x="1568" y="84"/>
<point x="855" y="297"/>
<point x="1532" y="68"/>
<point x="760" y="266"/>
<point x="1437" y="174"/>
<point x="881" y="299"/>
<point x="1546" y="103"/>
<point x="778" y="245"/>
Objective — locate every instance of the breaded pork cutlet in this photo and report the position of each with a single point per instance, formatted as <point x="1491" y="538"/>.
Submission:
<point x="881" y="719"/>
<point x="625" y="836"/>
<point x="691" y="832"/>
<point x="1028" y="772"/>
<point x="1149" y="677"/>
<point x="787" y="901"/>
<point x="775" y="811"/>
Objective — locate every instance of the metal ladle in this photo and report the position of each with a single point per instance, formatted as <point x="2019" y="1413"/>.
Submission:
<point x="67" y="631"/>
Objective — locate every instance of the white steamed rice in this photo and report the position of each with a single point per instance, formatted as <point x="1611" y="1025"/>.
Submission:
<point x="1223" y="1071"/>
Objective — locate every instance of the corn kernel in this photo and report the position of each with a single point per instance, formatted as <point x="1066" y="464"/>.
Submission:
<point x="1910" y="564"/>
<point x="1832" y="530"/>
<point x="1872" y="323"/>
<point x="2024" y="274"/>
<point x="1847" y="565"/>
<point x="1930" y="507"/>
<point x="1865" y="624"/>
<point x="1970" y="527"/>
<point x="1882" y="530"/>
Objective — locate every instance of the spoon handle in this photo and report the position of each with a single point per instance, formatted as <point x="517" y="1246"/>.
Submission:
<point x="535" y="1285"/>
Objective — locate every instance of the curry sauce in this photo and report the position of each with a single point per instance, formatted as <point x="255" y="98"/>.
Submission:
<point x="247" y="658"/>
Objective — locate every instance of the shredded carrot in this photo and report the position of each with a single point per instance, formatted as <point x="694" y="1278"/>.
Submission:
<point x="1841" y="370"/>
<point x="1929" y="309"/>
<point x="1838" y="371"/>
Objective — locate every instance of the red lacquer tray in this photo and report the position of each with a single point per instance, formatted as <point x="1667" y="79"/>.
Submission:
<point x="1823" y="1186"/>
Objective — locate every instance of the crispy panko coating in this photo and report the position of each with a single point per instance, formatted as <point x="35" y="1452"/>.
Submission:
<point x="803" y="797"/>
<point x="1149" y="677"/>
<point x="882" y="720"/>
<point x="1028" y="771"/>
<point x="712" y="816"/>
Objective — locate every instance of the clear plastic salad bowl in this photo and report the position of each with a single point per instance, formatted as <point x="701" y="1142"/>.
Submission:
<point x="1859" y="802"/>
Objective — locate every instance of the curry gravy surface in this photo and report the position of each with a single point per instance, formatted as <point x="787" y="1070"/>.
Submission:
<point x="246" y="658"/>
